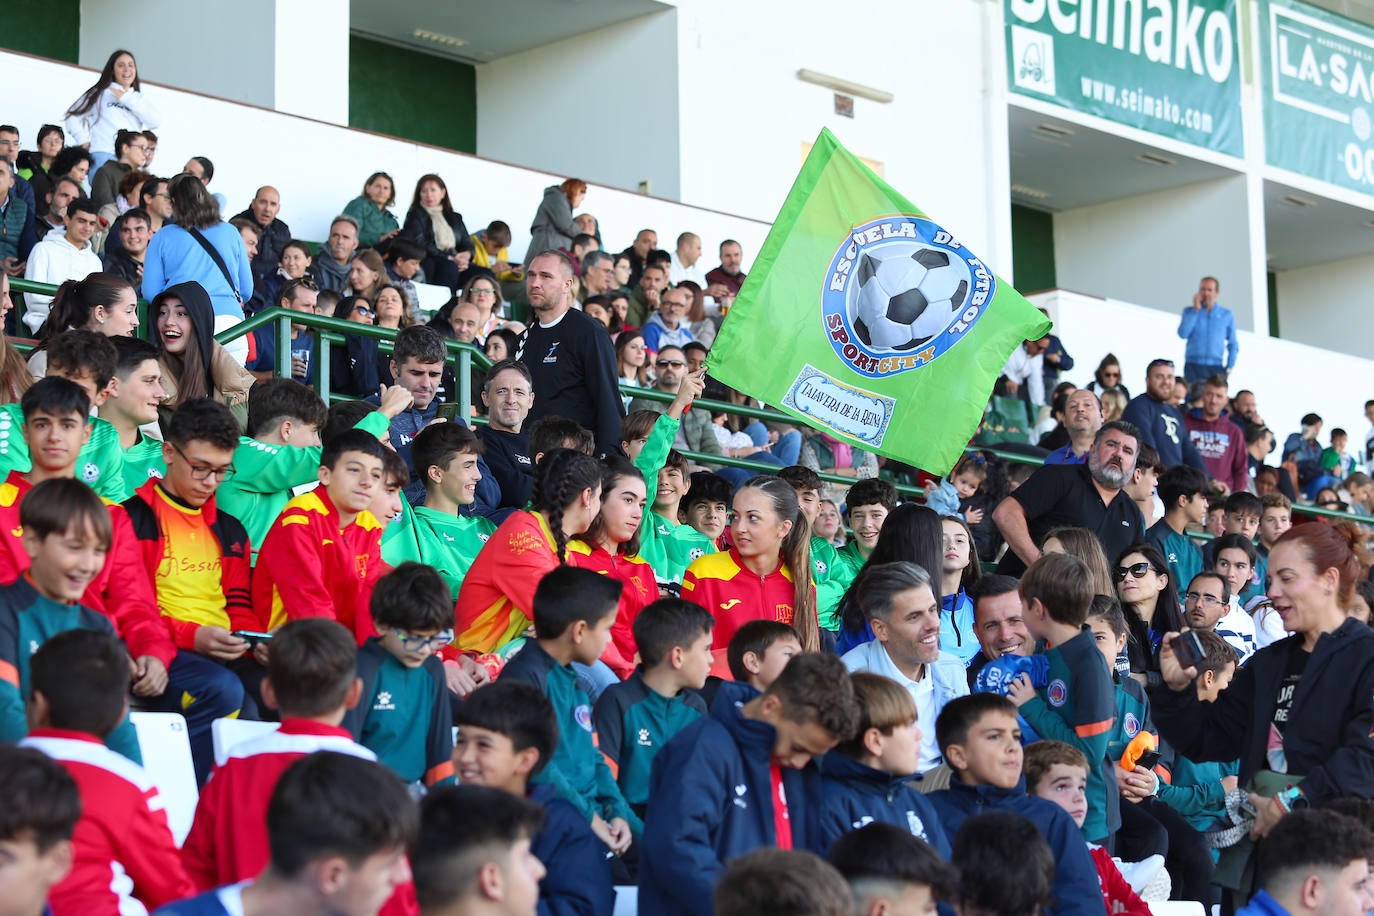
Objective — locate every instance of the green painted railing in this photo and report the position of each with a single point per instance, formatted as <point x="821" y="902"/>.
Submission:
<point x="332" y="331"/>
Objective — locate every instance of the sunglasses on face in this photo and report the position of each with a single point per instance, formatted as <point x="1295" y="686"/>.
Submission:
<point x="1135" y="571"/>
<point x="674" y="363"/>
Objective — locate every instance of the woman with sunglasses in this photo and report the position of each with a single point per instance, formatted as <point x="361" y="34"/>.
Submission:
<point x="1107" y="377"/>
<point x="353" y="365"/>
<point x="1150" y="599"/>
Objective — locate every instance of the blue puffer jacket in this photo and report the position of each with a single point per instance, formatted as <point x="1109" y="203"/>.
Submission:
<point x="1076" y="889"/>
<point x="711" y="801"/>
<point x="578" y="876"/>
<point x="853" y="794"/>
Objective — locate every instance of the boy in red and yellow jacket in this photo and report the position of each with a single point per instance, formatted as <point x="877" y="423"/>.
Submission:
<point x="323" y="554"/>
<point x="197" y="560"/>
<point x="55" y="429"/>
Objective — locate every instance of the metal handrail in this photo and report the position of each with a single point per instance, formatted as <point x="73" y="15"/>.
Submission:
<point x="333" y="330"/>
<point x="467" y="355"/>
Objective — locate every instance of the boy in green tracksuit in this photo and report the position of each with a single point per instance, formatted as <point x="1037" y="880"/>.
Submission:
<point x="282" y="450"/>
<point x="573" y="613"/>
<point x="1184" y="492"/>
<point x="88" y="359"/>
<point x="668" y="546"/>
<point x="1078" y="703"/>
<point x="831" y="575"/>
<point x="1198" y="790"/>
<point x="866" y="508"/>
<point x="134" y="396"/>
<point x="637" y="717"/>
<point x="404" y="715"/>
<point x="445" y="457"/>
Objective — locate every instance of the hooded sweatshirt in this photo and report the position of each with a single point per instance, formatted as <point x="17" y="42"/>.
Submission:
<point x="225" y="380"/>
<point x="1221" y="443"/>
<point x="54" y="260"/>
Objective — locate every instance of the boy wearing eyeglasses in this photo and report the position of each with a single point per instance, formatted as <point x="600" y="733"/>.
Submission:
<point x="196" y="557"/>
<point x="404" y="716"/>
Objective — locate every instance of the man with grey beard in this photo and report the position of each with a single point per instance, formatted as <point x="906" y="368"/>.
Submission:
<point x="1084" y="495"/>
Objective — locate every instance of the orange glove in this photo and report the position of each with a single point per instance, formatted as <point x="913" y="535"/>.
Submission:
<point x="1142" y="742"/>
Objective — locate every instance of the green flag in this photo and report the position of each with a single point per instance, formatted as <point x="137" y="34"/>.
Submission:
<point x="865" y="320"/>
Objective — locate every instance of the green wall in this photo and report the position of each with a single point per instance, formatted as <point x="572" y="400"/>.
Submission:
<point x="410" y="94"/>
<point x="1032" y="249"/>
<point x="48" y="28"/>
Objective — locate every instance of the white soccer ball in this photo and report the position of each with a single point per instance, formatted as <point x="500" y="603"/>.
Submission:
<point x="907" y="295"/>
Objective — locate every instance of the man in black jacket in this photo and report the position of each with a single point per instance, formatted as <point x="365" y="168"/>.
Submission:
<point x="274" y="233"/>
<point x="134" y="232"/>
<point x="508" y="393"/>
<point x="570" y="356"/>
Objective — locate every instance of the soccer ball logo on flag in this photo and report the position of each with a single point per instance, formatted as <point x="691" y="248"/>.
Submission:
<point x="906" y="294"/>
<point x="899" y="292"/>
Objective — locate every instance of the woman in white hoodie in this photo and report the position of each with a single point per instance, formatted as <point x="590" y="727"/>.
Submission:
<point x="116" y="102"/>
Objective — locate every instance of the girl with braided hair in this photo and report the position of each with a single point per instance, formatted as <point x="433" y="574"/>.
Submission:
<point x="766" y="575"/>
<point x="495" y="604"/>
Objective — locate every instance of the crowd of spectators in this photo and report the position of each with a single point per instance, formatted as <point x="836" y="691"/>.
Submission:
<point x="516" y="664"/>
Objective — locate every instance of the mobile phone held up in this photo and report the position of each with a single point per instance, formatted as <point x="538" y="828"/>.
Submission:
<point x="1188" y="650"/>
<point x="449" y="411"/>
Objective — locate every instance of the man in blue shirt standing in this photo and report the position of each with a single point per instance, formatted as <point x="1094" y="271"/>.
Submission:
<point x="1210" y="330"/>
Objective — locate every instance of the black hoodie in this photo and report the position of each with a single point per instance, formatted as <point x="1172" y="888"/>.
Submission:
<point x="197" y="302"/>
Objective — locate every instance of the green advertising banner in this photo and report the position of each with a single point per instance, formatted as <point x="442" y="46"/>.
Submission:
<point x="1318" y="70"/>
<point x="1170" y="67"/>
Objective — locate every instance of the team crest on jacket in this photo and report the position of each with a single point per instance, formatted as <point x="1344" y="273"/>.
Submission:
<point x="90" y="472"/>
<point x="915" y="825"/>
<point x="899" y="292"/>
<point x="1130" y="724"/>
<point x="583" y="715"/>
<point x="1058" y="692"/>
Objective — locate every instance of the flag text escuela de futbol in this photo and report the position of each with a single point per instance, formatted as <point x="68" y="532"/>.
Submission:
<point x="868" y="321"/>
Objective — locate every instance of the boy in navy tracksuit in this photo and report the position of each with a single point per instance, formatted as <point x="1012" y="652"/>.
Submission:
<point x="635" y="718"/>
<point x="404" y="716"/>
<point x="980" y="739"/>
<point x="506" y="733"/>
<point x="739" y="779"/>
<point x="574" y="610"/>
<point x="865" y="778"/>
<point x="1078" y="703"/>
